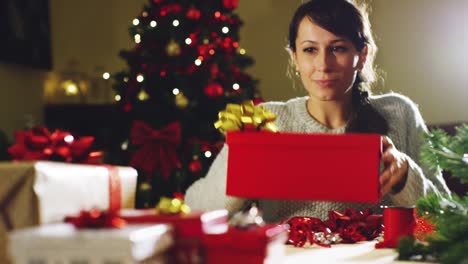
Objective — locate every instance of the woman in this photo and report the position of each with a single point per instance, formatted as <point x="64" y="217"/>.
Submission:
<point x="332" y="50"/>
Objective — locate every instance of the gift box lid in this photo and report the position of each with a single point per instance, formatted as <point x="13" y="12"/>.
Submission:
<point x="193" y="224"/>
<point x="136" y="242"/>
<point x="251" y="239"/>
<point x="328" y="167"/>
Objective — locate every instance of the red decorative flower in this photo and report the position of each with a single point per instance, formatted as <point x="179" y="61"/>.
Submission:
<point x="39" y="144"/>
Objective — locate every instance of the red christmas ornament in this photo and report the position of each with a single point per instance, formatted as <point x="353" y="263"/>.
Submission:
<point x="214" y="71"/>
<point x="230" y="4"/>
<point x="204" y="49"/>
<point x="172" y="8"/>
<point x="127" y="107"/>
<point x="214" y="90"/>
<point x="258" y="100"/>
<point x="195" y="166"/>
<point x="193" y="13"/>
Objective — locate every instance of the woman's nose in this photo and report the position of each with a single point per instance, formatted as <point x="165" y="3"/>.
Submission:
<point x="323" y="61"/>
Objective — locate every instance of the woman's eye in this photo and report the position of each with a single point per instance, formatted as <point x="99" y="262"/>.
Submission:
<point x="309" y="50"/>
<point x="339" y="49"/>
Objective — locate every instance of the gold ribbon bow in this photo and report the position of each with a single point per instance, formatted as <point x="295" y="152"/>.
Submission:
<point x="245" y="117"/>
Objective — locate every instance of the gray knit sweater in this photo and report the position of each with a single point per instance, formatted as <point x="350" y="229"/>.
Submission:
<point x="405" y="128"/>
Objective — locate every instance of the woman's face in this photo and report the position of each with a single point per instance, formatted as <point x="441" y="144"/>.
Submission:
<point x="327" y="63"/>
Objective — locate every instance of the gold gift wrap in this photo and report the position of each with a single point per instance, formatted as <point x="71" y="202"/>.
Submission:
<point x="40" y="192"/>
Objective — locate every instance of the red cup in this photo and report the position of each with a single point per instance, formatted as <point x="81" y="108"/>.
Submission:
<point x="398" y="222"/>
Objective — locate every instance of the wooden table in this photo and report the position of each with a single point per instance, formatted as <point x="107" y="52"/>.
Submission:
<point x="363" y="252"/>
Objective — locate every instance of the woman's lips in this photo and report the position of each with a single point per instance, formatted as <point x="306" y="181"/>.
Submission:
<point x="325" y="83"/>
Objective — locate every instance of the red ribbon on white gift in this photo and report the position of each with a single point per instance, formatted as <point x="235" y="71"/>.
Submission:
<point x="115" y="189"/>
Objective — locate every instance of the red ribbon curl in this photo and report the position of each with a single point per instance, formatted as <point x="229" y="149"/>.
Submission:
<point x="95" y="218"/>
<point x="157" y="147"/>
<point x="39" y="144"/>
<point x="351" y="225"/>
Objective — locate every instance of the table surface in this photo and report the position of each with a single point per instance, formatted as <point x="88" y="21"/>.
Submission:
<point x="363" y="252"/>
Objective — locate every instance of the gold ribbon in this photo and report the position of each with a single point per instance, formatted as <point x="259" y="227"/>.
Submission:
<point x="172" y="206"/>
<point x="246" y="117"/>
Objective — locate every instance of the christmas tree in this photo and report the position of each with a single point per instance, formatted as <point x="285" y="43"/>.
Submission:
<point x="187" y="64"/>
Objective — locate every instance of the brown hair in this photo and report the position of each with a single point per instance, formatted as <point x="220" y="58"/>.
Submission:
<point x="344" y="18"/>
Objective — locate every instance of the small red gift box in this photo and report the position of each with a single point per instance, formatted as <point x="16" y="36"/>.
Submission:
<point x="247" y="246"/>
<point x="304" y="166"/>
<point x="189" y="229"/>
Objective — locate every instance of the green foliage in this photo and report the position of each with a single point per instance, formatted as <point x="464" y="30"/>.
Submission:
<point x="449" y="153"/>
<point x="449" y="214"/>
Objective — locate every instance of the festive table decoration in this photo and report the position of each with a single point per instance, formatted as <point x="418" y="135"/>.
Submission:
<point x="249" y="219"/>
<point x="34" y="193"/>
<point x="64" y="243"/>
<point x="449" y="215"/>
<point x="246" y="240"/>
<point x="174" y="205"/>
<point x="246" y="117"/>
<point x="96" y="218"/>
<point x="40" y="144"/>
<point x="351" y="226"/>
<point x="189" y="227"/>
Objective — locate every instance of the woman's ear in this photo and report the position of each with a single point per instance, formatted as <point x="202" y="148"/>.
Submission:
<point x="362" y="57"/>
<point x="292" y="59"/>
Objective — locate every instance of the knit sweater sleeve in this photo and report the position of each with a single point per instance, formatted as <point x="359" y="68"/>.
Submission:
<point x="209" y="193"/>
<point x="420" y="179"/>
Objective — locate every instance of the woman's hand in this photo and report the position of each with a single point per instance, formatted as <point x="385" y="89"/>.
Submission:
<point x="396" y="168"/>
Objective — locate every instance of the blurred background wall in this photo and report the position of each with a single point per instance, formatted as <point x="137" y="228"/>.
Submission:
<point x="423" y="50"/>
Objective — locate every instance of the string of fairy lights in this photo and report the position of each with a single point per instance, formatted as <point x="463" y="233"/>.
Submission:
<point x="172" y="47"/>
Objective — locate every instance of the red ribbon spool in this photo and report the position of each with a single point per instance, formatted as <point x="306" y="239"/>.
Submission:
<point x="398" y="222"/>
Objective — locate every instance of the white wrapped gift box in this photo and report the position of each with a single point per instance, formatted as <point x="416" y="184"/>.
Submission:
<point x="64" y="244"/>
<point x="40" y="192"/>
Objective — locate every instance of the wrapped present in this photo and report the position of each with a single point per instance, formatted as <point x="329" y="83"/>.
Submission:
<point x="33" y="193"/>
<point x="188" y="229"/>
<point x="304" y="166"/>
<point x="254" y="245"/>
<point x="63" y="243"/>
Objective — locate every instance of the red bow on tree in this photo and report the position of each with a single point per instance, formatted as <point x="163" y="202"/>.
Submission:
<point x="39" y="144"/>
<point x="157" y="147"/>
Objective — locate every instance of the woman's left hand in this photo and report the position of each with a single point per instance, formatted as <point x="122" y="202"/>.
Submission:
<point x="396" y="168"/>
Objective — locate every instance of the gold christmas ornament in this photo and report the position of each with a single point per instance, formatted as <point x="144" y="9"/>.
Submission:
<point x="173" y="48"/>
<point x="181" y="101"/>
<point x="143" y="95"/>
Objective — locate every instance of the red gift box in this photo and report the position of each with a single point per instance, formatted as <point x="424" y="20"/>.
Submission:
<point x="188" y="229"/>
<point x="247" y="246"/>
<point x="304" y="166"/>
